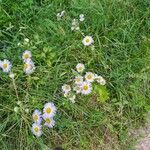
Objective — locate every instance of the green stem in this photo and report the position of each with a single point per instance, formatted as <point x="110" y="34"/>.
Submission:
<point x="15" y="88"/>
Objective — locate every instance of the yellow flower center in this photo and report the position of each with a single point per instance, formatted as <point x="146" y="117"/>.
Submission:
<point x="47" y="120"/>
<point x="85" y="87"/>
<point x="5" y="66"/>
<point x="80" y="68"/>
<point x="35" y="117"/>
<point x="67" y="87"/>
<point x="87" y="40"/>
<point x="48" y="110"/>
<point x="89" y="77"/>
<point x="36" y="129"/>
<point x="26" y="56"/>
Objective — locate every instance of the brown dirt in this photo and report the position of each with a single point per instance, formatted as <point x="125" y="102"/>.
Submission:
<point x="143" y="136"/>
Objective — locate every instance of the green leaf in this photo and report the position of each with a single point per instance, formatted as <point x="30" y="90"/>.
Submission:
<point x="35" y="78"/>
<point x="74" y="72"/>
<point x="101" y="92"/>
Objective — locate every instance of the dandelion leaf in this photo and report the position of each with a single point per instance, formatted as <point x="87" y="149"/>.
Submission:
<point x="101" y="92"/>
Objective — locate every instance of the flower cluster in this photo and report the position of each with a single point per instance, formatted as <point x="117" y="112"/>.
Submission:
<point x="29" y="66"/>
<point x="81" y="84"/>
<point x="75" y="23"/>
<point x="5" y="65"/>
<point x="81" y="17"/>
<point x="21" y="107"/>
<point x="87" y="40"/>
<point x="26" y="42"/>
<point x="49" y="112"/>
<point x="60" y="15"/>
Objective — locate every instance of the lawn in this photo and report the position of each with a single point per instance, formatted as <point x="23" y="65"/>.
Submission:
<point x="120" y="53"/>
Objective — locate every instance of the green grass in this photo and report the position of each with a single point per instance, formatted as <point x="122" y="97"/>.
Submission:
<point x="120" y="29"/>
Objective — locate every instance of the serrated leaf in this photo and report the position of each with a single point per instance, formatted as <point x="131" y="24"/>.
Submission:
<point x="101" y="92"/>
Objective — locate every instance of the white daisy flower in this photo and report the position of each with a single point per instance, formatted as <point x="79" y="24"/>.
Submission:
<point x="77" y="28"/>
<point x="5" y="65"/>
<point x="81" y="17"/>
<point x="58" y="16"/>
<point x="72" y="28"/>
<point x="86" y="88"/>
<point x="101" y="80"/>
<point x="77" y="89"/>
<point x="66" y="88"/>
<point x="37" y="129"/>
<point x="49" y="109"/>
<point x="62" y="13"/>
<point x="78" y="79"/>
<point x="89" y="76"/>
<point x="16" y="109"/>
<point x="26" y="55"/>
<point x="72" y="98"/>
<point x="37" y="116"/>
<point x="29" y="67"/>
<point x="49" y="121"/>
<point x="80" y="67"/>
<point x="88" y="40"/>
<point x="11" y="75"/>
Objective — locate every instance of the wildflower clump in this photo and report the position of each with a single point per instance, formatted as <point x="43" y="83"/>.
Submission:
<point x="29" y="66"/>
<point x="60" y="15"/>
<point x="49" y="111"/>
<point x="75" y="26"/>
<point x="87" y="83"/>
